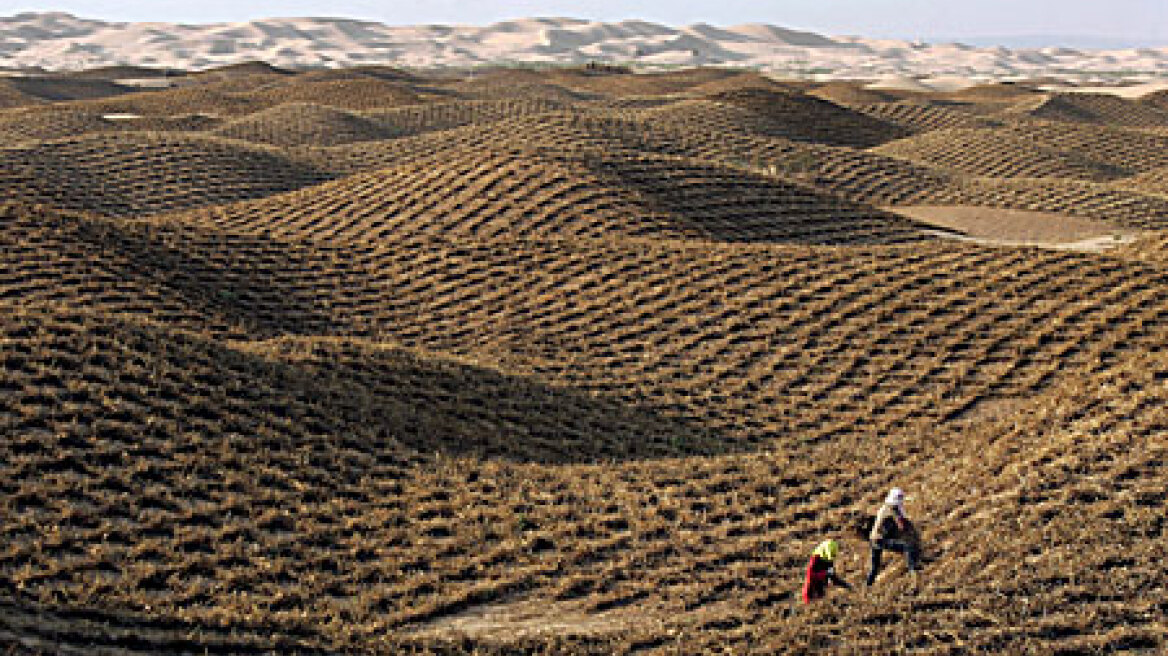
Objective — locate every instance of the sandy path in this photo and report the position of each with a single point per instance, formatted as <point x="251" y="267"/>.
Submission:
<point x="1006" y="227"/>
<point x="533" y="617"/>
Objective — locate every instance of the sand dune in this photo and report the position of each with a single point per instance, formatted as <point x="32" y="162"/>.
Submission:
<point x="575" y="361"/>
<point x="59" y="41"/>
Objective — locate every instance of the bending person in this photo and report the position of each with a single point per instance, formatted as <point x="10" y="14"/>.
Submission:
<point x="821" y="571"/>
<point x="893" y="531"/>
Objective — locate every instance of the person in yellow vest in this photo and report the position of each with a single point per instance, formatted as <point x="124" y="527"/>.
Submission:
<point x="893" y="531"/>
<point x="821" y="571"/>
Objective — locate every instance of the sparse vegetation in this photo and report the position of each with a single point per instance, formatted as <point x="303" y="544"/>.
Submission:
<point x="558" y="362"/>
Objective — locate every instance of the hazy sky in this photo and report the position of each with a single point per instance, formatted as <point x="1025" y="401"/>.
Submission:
<point x="1131" y="19"/>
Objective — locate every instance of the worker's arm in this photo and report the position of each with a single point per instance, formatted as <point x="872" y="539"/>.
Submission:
<point x="902" y="523"/>
<point x="838" y="581"/>
<point x="910" y="532"/>
<point x="875" y="533"/>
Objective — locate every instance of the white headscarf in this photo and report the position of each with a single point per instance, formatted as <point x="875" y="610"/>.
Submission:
<point x="895" y="498"/>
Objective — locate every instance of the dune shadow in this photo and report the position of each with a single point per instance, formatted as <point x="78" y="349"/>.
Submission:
<point x="731" y="205"/>
<point x="430" y="403"/>
<point x="39" y="628"/>
<point x="327" y="394"/>
<point x="266" y="287"/>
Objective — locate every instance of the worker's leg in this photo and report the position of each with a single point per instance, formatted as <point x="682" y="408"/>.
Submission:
<point x="874" y="566"/>
<point x="909" y="550"/>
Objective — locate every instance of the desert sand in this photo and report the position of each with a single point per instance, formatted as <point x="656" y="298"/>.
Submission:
<point x="1011" y="227"/>
<point x="58" y="41"/>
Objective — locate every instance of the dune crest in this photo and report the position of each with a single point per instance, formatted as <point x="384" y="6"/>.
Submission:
<point x="60" y="41"/>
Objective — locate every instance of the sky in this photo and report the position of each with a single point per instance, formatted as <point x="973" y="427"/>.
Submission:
<point x="1140" y="21"/>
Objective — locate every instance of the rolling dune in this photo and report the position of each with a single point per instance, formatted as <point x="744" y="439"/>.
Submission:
<point x="572" y="361"/>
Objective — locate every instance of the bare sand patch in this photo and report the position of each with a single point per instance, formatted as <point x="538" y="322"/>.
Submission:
<point x="994" y="408"/>
<point x="1131" y="91"/>
<point x="1008" y="227"/>
<point x="532" y="617"/>
<point x="900" y="83"/>
<point x="146" y="82"/>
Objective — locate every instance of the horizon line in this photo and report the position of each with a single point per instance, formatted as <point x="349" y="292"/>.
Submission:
<point x="985" y="39"/>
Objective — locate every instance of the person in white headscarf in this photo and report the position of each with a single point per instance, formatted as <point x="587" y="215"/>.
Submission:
<point x="893" y="531"/>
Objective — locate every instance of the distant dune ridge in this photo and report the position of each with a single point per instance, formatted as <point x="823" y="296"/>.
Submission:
<point x="60" y="41"/>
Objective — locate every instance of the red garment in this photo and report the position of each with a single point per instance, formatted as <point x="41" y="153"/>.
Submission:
<point x="815" y="584"/>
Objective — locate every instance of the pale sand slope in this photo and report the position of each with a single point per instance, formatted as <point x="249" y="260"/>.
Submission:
<point x="996" y="226"/>
<point x="1130" y="88"/>
<point x="1131" y="91"/>
<point x="901" y="83"/>
<point x="59" y="41"/>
